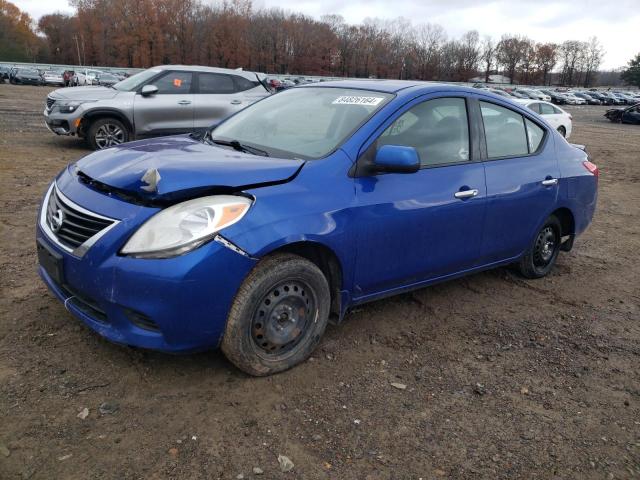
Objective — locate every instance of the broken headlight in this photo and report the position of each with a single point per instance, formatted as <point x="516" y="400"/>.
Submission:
<point x="184" y="227"/>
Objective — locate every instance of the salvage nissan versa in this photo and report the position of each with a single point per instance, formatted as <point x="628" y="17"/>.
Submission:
<point x="253" y="235"/>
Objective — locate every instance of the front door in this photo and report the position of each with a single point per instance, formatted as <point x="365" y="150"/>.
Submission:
<point x="428" y="224"/>
<point x="168" y="111"/>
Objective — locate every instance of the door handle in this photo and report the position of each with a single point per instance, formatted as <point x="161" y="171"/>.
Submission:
<point x="549" y="182"/>
<point x="466" y="194"/>
<point x="236" y="102"/>
<point x="184" y="102"/>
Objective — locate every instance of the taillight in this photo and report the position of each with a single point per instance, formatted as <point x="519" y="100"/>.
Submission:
<point x="592" y="167"/>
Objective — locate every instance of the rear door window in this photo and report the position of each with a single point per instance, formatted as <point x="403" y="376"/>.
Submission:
<point x="546" y="109"/>
<point x="535" y="107"/>
<point x="504" y="131"/>
<point x="215" y="83"/>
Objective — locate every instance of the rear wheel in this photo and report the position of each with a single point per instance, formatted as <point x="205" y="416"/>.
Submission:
<point x="543" y="252"/>
<point x="562" y="130"/>
<point x="278" y="316"/>
<point x="106" y="132"/>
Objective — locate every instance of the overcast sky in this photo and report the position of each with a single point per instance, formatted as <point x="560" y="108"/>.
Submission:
<point x="616" y="24"/>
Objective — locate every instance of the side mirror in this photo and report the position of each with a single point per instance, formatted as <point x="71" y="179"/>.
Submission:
<point x="148" y="90"/>
<point x="396" y="159"/>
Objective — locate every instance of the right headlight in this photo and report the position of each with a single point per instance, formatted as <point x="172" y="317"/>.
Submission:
<point x="184" y="227"/>
<point x="70" y="107"/>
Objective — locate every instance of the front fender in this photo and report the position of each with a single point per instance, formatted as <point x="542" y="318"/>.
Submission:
<point x="314" y="207"/>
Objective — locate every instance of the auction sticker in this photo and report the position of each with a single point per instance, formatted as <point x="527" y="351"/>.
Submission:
<point x="357" y="100"/>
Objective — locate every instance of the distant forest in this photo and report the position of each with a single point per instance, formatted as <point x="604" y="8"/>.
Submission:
<point x="231" y="34"/>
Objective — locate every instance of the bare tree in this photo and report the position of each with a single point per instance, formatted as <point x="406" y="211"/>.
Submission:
<point x="546" y="59"/>
<point x="593" y="59"/>
<point x="488" y="56"/>
<point x="510" y="53"/>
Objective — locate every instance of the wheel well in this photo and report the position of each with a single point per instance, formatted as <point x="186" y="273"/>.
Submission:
<point x="92" y="116"/>
<point x="567" y="222"/>
<point x="327" y="261"/>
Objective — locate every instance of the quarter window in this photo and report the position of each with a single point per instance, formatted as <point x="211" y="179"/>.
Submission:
<point x="243" y="84"/>
<point x="215" y="83"/>
<point x="535" y="134"/>
<point x="174" y="83"/>
<point x="504" y="131"/>
<point x="438" y="130"/>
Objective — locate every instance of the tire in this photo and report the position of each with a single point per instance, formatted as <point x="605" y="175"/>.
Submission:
<point x="266" y="332"/>
<point x="106" y="132"/>
<point x="562" y="130"/>
<point x="542" y="254"/>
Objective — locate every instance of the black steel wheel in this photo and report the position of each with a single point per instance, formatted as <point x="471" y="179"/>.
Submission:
<point x="282" y="318"/>
<point x="278" y="316"/>
<point x="543" y="252"/>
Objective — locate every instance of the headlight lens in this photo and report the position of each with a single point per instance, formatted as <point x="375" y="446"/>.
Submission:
<point x="70" y="107"/>
<point x="184" y="227"/>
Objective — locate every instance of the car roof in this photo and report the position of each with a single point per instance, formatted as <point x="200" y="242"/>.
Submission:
<point x="390" y="86"/>
<point x="197" y="68"/>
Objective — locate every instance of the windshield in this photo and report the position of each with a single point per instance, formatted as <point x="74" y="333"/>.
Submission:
<point x="27" y="71"/>
<point x="308" y="122"/>
<point x="134" y="81"/>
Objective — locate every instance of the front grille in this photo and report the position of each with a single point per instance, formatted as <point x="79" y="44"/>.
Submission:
<point x="70" y="225"/>
<point x="50" y="102"/>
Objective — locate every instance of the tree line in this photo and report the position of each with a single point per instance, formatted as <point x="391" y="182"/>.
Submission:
<point x="231" y="34"/>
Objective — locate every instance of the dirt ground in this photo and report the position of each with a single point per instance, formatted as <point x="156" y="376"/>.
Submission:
<point x="505" y="378"/>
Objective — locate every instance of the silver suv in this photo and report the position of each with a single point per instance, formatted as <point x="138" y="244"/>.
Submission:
<point x="159" y="101"/>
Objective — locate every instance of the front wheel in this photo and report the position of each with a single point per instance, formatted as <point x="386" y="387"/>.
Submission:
<point x="562" y="131"/>
<point x="106" y="132"/>
<point x="278" y="316"/>
<point x="541" y="256"/>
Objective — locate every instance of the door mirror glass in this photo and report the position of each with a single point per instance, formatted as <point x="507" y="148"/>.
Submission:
<point x="148" y="90"/>
<point x="396" y="159"/>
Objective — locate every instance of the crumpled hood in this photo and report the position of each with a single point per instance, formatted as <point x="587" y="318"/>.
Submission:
<point x="84" y="93"/>
<point x="185" y="168"/>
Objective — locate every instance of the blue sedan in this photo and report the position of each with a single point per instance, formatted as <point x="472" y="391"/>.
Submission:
<point x="253" y="235"/>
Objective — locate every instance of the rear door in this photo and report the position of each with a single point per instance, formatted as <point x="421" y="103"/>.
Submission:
<point x="522" y="180"/>
<point x="220" y="95"/>
<point x="170" y="110"/>
<point x="216" y="98"/>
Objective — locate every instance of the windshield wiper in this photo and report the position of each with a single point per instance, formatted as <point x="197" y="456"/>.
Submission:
<point x="236" y="145"/>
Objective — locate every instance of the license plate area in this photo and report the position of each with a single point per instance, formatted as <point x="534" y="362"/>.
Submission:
<point x="50" y="261"/>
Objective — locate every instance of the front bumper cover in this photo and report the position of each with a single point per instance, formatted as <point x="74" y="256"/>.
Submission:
<point x="175" y="305"/>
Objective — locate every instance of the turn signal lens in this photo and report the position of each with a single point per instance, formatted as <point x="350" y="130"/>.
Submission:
<point x="592" y="167"/>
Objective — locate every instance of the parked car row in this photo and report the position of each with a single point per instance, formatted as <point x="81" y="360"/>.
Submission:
<point x="59" y="77"/>
<point x="565" y="96"/>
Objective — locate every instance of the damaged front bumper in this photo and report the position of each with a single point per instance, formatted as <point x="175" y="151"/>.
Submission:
<point x="175" y="305"/>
